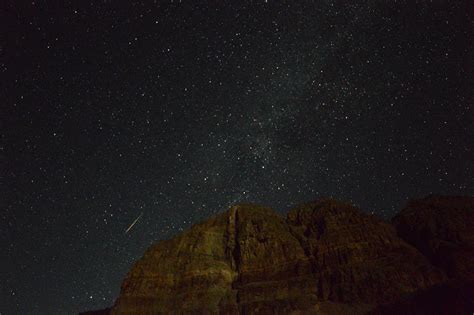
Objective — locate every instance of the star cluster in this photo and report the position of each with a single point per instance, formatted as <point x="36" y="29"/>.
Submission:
<point x="112" y="109"/>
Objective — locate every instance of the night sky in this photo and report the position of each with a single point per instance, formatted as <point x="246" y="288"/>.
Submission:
<point x="175" y="111"/>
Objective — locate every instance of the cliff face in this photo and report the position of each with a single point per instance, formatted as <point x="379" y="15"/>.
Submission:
<point x="358" y="258"/>
<point x="325" y="257"/>
<point x="442" y="228"/>
<point x="191" y="272"/>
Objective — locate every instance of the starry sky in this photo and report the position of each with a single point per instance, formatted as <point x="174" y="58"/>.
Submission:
<point x="111" y="110"/>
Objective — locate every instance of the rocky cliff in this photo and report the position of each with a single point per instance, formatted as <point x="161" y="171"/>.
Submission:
<point x="442" y="228"/>
<point x="325" y="257"/>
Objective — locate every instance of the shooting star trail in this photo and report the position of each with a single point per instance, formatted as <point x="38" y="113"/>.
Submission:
<point x="131" y="225"/>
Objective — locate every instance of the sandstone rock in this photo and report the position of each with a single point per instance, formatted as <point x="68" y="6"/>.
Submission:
<point x="192" y="272"/>
<point x="442" y="228"/>
<point x="358" y="258"/>
<point x="326" y="257"/>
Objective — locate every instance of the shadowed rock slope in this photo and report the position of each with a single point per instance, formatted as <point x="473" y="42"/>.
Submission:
<point x="325" y="257"/>
<point x="442" y="228"/>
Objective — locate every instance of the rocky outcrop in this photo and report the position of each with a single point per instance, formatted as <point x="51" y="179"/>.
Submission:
<point x="358" y="258"/>
<point x="442" y="228"/>
<point x="192" y="272"/>
<point x="325" y="257"/>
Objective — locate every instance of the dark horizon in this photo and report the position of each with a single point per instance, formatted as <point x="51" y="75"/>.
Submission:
<point x="172" y="112"/>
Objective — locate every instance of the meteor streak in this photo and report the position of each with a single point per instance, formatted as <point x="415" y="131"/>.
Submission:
<point x="131" y="225"/>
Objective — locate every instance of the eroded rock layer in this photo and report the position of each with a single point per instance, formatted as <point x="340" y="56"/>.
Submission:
<point x="442" y="228"/>
<point x="325" y="257"/>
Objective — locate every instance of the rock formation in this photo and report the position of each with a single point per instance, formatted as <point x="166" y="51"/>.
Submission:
<point x="325" y="257"/>
<point x="442" y="228"/>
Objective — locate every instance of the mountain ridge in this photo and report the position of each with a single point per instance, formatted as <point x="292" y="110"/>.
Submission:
<point x="324" y="257"/>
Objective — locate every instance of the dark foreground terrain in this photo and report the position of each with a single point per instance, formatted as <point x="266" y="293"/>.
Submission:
<point x="325" y="257"/>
